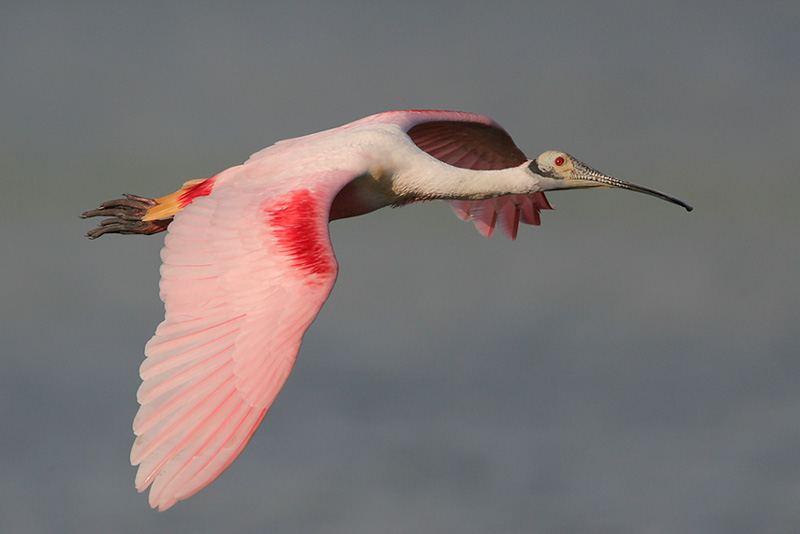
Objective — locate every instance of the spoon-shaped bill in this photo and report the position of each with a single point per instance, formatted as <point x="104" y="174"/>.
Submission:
<point x="584" y="172"/>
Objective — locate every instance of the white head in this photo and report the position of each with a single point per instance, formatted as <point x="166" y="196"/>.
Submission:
<point x="562" y="171"/>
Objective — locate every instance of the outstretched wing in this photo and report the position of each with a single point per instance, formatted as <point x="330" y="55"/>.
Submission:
<point x="246" y="270"/>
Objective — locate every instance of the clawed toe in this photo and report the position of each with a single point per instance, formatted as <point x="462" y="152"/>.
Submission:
<point x="126" y="216"/>
<point x="132" y="207"/>
<point x="128" y="227"/>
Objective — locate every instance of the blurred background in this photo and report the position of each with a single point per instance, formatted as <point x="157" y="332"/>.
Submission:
<point x="625" y="367"/>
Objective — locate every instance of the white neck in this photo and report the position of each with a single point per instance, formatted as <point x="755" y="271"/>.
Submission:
<point x="436" y="180"/>
<point x="397" y="172"/>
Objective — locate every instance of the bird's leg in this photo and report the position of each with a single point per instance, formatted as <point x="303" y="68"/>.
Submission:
<point x="140" y="215"/>
<point x="127" y="216"/>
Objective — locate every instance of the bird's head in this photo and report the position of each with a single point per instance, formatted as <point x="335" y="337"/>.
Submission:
<point x="562" y="171"/>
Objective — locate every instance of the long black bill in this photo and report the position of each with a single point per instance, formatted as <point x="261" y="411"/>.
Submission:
<point x="584" y="172"/>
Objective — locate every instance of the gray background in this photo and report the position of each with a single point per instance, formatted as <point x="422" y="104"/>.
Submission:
<point x="626" y="367"/>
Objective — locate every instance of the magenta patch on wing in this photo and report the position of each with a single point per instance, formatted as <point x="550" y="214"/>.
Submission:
<point x="300" y="226"/>
<point x="201" y="189"/>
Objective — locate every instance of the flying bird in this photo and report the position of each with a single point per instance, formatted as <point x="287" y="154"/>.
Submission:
<point x="248" y="263"/>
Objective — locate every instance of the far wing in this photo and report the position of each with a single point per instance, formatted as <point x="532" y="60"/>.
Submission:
<point x="481" y="146"/>
<point x="245" y="272"/>
<point x="469" y="145"/>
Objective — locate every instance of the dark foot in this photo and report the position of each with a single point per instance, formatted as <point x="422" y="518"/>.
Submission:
<point x="126" y="217"/>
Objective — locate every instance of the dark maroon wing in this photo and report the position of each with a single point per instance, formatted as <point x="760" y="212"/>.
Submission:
<point x="468" y="145"/>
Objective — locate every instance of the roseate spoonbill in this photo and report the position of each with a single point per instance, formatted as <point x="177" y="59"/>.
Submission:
<point x="248" y="263"/>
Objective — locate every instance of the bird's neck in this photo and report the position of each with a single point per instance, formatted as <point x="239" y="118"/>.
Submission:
<point x="381" y="187"/>
<point x="396" y="173"/>
<point x="452" y="183"/>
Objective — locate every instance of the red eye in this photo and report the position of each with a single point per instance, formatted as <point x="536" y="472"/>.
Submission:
<point x="559" y="161"/>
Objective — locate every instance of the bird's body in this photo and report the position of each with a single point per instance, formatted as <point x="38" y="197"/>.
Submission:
<point x="247" y="265"/>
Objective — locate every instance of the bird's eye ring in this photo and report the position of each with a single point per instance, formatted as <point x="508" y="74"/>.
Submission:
<point x="559" y="161"/>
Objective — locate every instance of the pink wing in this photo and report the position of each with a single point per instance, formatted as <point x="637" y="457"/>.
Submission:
<point x="245" y="272"/>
